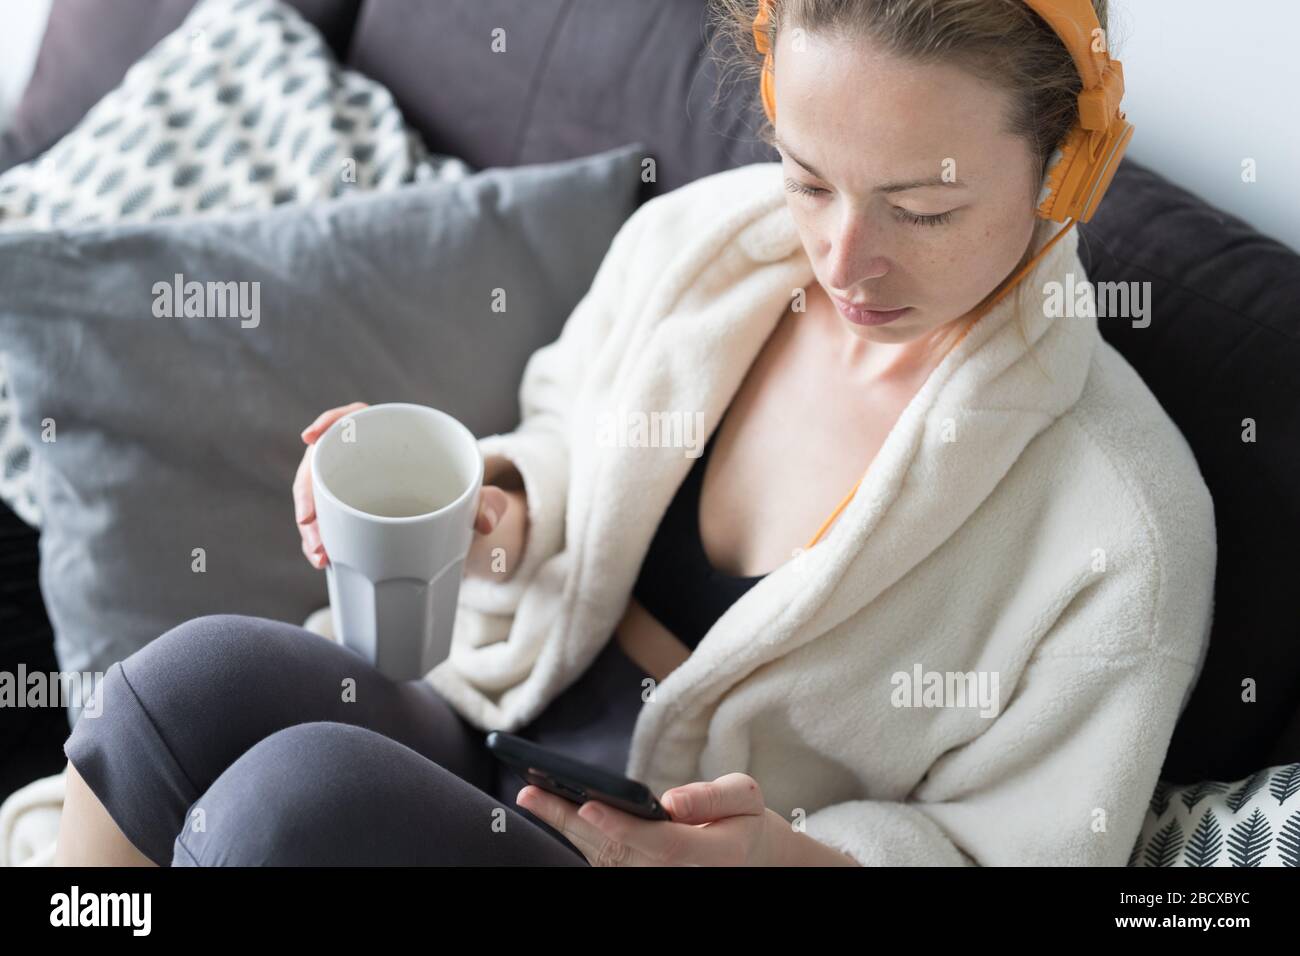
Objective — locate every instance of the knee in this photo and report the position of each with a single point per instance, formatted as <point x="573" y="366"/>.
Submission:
<point x="292" y="799"/>
<point x="209" y="633"/>
<point x="198" y="654"/>
<point x="184" y="672"/>
<point x="222" y="631"/>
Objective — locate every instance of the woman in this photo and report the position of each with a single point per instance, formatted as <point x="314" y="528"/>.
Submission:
<point x="980" y="660"/>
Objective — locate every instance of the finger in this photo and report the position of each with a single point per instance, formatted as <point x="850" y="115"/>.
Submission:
<point x="304" y="504"/>
<point x="731" y="795"/>
<point x="310" y="536"/>
<point x="661" y="842"/>
<point x="562" y="815"/>
<point x="492" y="505"/>
<point x="622" y="839"/>
<point x="325" y="419"/>
<point x="315" y="556"/>
<point x="665" y="842"/>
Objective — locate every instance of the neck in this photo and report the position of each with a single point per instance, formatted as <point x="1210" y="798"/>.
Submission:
<point x="884" y="362"/>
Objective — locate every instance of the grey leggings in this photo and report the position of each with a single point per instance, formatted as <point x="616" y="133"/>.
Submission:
<point x="230" y="741"/>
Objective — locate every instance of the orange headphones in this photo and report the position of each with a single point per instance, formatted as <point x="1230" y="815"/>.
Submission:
<point x="1081" y="169"/>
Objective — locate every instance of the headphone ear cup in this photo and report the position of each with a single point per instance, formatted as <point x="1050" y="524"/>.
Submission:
<point x="1045" y="194"/>
<point x="1050" y="204"/>
<point x="1108" y="161"/>
<point x="1078" y="176"/>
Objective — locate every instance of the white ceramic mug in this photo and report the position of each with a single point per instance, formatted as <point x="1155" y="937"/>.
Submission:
<point x="396" y="489"/>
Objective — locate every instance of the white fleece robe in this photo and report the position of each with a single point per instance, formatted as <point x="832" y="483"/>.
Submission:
<point x="1050" y="531"/>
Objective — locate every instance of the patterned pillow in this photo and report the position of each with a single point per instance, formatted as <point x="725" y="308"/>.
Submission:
<point x="1253" y="822"/>
<point x="242" y="107"/>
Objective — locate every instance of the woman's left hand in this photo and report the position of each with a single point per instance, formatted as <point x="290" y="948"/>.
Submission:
<point x="723" y="823"/>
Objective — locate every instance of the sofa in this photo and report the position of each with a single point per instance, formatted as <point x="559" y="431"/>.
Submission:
<point x="590" y="75"/>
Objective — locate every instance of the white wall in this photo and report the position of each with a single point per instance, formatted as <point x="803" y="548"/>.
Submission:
<point x="1208" y="84"/>
<point x="22" y="22"/>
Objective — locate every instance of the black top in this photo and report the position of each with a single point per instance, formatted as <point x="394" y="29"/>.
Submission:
<point x="677" y="584"/>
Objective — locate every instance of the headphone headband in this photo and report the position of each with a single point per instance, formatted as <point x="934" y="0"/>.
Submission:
<point x="1075" y="22"/>
<point x="1081" y="170"/>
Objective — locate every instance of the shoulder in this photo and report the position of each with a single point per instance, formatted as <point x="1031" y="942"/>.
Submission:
<point x="1134" y="480"/>
<point x="1133" y="436"/>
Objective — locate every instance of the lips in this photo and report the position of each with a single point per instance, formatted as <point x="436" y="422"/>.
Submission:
<point x="868" y="307"/>
<point x="868" y="314"/>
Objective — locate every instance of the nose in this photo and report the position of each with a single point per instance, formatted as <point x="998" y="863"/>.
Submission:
<point x="854" y="253"/>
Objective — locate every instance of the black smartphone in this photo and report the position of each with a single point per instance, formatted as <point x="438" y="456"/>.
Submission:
<point x="572" y="779"/>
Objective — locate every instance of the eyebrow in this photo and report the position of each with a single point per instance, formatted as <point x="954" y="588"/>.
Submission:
<point x="897" y="187"/>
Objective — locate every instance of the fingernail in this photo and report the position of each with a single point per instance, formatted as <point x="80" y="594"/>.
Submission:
<point x="679" y="805"/>
<point x="591" y="812"/>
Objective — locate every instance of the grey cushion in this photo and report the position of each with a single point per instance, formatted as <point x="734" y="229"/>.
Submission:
<point x="172" y="434"/>
<point x="259" y="115"/>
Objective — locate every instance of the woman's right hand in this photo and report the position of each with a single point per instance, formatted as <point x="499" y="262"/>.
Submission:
<point x="304" y="505"/>
<point x="493" y="502"/>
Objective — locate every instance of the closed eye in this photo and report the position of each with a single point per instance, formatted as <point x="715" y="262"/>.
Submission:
<point x="904" y="215"/>
<point x="937" y="219"/>
<point x="801" y="189"/>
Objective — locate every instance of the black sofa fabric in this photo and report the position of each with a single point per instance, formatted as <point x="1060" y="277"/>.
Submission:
<point x="575" y="77"/>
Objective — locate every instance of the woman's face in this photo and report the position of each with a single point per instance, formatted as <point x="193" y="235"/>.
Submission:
<point x="859" y="129"/>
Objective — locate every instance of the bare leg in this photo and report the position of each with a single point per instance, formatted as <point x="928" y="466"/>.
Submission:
<point x="88" y="836"/>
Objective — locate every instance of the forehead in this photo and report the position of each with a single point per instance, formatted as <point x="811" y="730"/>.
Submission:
<point x="840" y="97"/>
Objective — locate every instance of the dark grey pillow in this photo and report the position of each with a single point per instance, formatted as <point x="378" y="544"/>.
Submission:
<point x="171" y="434"/>
<point x="499" y="82"/>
